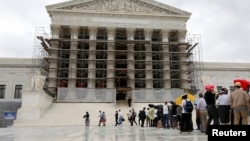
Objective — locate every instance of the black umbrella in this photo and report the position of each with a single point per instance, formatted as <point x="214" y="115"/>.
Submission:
<point x="151" y="105"/>
<point x="159" y="106"/>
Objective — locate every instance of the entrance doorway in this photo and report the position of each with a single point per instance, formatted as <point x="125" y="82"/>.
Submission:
<point x="121" y="87"/>
<point x="121" y="95"/>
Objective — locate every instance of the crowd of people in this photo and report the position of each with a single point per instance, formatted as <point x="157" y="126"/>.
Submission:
<point x="221" y="108"/>
<point x="217" y="108"/>
<point x="164" y="116"/>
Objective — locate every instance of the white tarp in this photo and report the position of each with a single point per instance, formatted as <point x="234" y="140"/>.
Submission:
<point x="85" y="95"/>
<point x="156" y="95"/>
<point x="109" y="95"/>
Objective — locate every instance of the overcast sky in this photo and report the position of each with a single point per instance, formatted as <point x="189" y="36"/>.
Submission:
<point x="223" y="25"/>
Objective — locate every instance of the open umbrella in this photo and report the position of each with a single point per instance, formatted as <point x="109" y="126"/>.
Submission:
<point x="151" y="105"/>
<point x="178" y="100"/>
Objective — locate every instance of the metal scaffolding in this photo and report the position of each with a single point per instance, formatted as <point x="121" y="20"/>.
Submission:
<point x="138" y="62"/>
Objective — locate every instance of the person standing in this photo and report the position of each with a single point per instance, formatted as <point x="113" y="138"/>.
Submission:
<point x="223" y="106"/>
<point x="103" y="119"/>
<point x="202" y="112"/>
<point x="186" y="117"/>
<point x="100" y="118"/>
<point x="87" y="120"/>
<point x="147" y="118"/>
<point x="143" y="116"/>
<point x="209" y="97"/>
<point x="165" y="116"/>
<point x="155" y="117"/>
<point x="173" y="117"/>
<point x="159" y="118"/>
<point x="133" y="117"/>
<point x="178" y="115"/>
<point x="197" y="119"/>
<point x="120" y="117"/>
<point x="129" y="101"/>
<point x="239" y="102"/>
<point x="116" y="118"/>
<point x="140" y="117"/>
<point x="151" y="116"/>
<point x="130" y="117"/>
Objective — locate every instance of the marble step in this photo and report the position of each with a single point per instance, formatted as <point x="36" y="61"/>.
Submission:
<point x="60" y="114"/>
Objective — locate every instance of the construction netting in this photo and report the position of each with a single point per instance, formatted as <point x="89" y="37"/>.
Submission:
<point x="86" y="95"/>
<point x="156" y="95"/>
<point x="109" y="95"/>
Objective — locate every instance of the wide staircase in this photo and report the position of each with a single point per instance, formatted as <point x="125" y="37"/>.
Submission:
<point x="61" y="114"/>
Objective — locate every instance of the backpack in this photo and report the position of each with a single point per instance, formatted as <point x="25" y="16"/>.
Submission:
<point x="188" y="106"/>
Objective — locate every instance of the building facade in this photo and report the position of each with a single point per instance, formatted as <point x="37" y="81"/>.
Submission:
<point x="107" y="50"/>
<point x="15" y="74"/>
<point x="223" y="74"/>
<point x="120" y="45"/>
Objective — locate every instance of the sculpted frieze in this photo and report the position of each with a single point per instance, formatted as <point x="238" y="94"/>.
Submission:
<point x="123" y="6"/>
<point x="111" y="20"/>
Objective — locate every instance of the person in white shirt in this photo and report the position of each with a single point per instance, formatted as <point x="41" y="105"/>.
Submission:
<point x="165" y="116"/>
<point x="120" y="117"/>
<point x="223" y="103"/>
<point x="155" y="118"/>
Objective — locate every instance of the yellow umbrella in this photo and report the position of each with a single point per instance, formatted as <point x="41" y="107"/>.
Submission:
<point x="178" y="100"/>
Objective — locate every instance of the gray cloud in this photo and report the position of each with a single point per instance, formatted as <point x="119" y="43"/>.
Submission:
<point x="224" y="26"/>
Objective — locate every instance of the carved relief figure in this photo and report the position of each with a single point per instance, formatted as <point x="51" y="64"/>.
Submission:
<point x="37" y="80"/>
<point x="119" y="5"/>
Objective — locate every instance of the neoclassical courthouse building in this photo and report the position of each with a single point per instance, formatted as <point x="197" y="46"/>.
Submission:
<point x="107" y="50"/>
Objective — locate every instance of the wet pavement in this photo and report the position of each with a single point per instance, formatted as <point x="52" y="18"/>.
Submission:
<point x="96" y="133"/>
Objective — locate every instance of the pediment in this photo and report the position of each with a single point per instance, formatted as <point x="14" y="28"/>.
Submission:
<point x="134" y="7"/>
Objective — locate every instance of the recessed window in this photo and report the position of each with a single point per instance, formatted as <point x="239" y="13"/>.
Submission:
<point x="2" y="91"/>
<point x="18" y="90"/>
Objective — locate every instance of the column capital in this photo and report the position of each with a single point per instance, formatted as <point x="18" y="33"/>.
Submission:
<point x="165" y="32"/>
<point x="148" y="34"/>
<point x="93" y="32"/>
<point x="182" y="35"/>
<point x="165" y="35"/>
<point x="55" y="29"/>
<point x="111" y="33"/>
<point x="130" y="33"/>
<point x="74" y="30"/>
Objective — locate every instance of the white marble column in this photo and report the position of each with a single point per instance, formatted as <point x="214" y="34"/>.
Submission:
<point x="131" y="58"/>
<point x="183" y="58"/>
<point x="92" y="57"/>
<point x="166" y="63"/>
<point x="111" y="59"/>
<point x="148" y="59"/>
<point x="74" y="30"/>
<point x="55" y="29"/>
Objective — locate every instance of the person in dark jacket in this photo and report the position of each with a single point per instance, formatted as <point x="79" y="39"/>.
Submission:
<point x="116" y="118"/>
<point x="212" y="111"/>
<point x="173" y="112"/>
<point x="87" y="120"/>
<point x="129" y="101"/>
<point x="210" y="98"/>
<point x="143" y="116"/>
